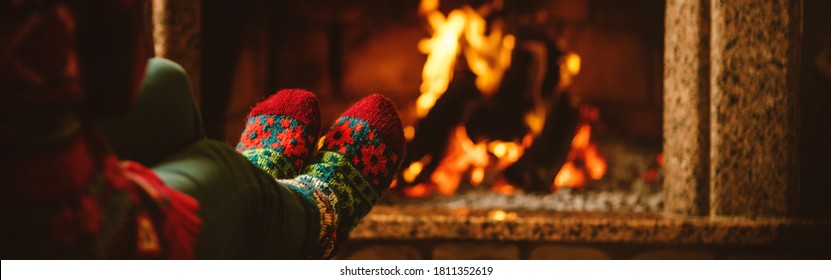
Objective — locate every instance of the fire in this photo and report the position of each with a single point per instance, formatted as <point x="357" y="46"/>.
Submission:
<point x="414" y="169"/>
<point x="569" y="176"/>
<point x="502" y="187"/>
<point x="569" y="68"/>
<point x="581" y="138"/>
<point x="488" y="56"/>
<point x="506" y="152"/>
<point x="501" y="215"/>
<point x="463" y="156"/>
<point x="462" y="30"/>
<point x="572" y="64"/>
<point x="595" y="164"/>
<point x="419" y="190"/>
<point x="409" y="132"/>
<point x="582" y="151"/>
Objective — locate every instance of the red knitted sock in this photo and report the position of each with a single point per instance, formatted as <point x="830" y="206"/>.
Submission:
<point x="281" y="132"/>
<point x="369" y="135"/>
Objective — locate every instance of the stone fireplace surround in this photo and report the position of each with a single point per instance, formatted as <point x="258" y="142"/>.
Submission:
<point x="731" y="160"/>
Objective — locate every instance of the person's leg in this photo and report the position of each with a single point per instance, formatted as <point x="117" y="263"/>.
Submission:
<point x="245" y="213"/>
<point x="164" y="120"/>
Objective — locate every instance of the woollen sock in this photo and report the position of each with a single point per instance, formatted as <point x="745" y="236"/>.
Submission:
<point x="357" y="161"/>
<point x="281" y="132"/>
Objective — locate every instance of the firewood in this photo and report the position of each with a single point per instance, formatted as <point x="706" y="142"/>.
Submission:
<point x="536" y="169"/>
<point x="434" y="129"/>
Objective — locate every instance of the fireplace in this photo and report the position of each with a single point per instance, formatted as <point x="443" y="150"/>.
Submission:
<point x="683" y="129"/>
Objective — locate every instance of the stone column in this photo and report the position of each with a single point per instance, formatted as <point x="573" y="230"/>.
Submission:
<point x="176" y="35"/>
<point x="687" y="107"/>
<point x="754" y="64"/>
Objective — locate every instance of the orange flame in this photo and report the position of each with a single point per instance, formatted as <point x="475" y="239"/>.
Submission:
<point x="595" y="164"/>
<point x="463" y="156"/>
<point x="488" y="55"/>
<point x="582" y="150"/>
<point x="418" y="191"/>
<point x="581" y="138"/>
<point x="462" y="31"/>
<point x="502" y="187"/>
<point x="569" y="68"/>
<point x="569" y="176"/>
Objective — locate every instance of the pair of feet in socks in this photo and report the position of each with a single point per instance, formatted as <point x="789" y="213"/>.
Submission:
<point x="356" y="161"/>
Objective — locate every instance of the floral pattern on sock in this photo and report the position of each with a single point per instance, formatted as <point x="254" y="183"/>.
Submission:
<point x="273" y="136"/>
<point x="362" y="146"/>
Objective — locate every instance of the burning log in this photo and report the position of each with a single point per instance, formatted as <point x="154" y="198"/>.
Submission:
<point x="501" y="116"/>
<point x="495" y="127"/>
<point x="479" y="123"/>
<point x="430" y="138"/>
<point x="536" y="170"/>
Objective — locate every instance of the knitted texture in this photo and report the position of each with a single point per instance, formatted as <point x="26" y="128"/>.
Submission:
<point x="281" y="132"/>
<point x="357" y="160"/>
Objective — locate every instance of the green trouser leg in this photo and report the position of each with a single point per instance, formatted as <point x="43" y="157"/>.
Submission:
<point x="163" y="121"/>
<point x="245" y="213"/>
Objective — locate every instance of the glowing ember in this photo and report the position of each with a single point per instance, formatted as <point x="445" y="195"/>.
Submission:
<point x="502" y="187"/>
<point x="417" y="191"/>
